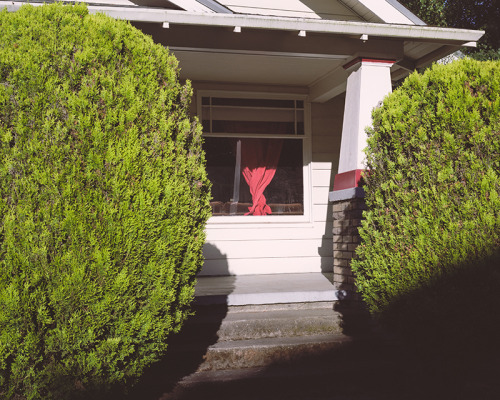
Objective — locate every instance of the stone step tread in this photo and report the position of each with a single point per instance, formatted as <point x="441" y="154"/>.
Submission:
<point x="217" y="322"/>
<point x="280" y="315"/>
<point x="305" y="377"/>
<point x="270" y="342"/>
<point x="323" y="368"/>
<point x="267" y="351"/>
<point x="315" y="305"/>
<point x="313" y="340"/>
<point x="262" y="323"/>
<point x="241" y="330"/>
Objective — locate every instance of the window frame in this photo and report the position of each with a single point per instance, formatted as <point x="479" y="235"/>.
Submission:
<point x="265" y="220"/>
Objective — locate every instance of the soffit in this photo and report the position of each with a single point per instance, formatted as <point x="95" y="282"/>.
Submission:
<point x="253" y="56"/>
<point x="251" y="68"/>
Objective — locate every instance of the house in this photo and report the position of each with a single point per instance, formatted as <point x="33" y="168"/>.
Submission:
<point x="284" y="90"/>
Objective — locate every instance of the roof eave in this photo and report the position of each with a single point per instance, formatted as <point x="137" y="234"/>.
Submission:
<point x="292" y="24"/>
<point x="410" y="32"/>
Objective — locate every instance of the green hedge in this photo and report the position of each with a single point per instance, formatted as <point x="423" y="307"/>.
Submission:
<point x="433" y="187"/>
<point x="103" y="202"/>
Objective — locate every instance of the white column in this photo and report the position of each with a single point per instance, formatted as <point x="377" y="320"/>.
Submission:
<point x="368" y="83"/>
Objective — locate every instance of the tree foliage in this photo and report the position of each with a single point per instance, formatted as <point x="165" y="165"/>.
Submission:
<point x="103" y="201"/>
<point x="433" y="191"/>
<point x="467" y="14"/>
<point x="432" y="12"/>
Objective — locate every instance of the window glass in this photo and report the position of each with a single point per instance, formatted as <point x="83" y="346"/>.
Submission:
<point x="259" y="103"/>
<point x="254" y="152"/>
<point x="252" y="116"/>
<point x="273" y="166"/>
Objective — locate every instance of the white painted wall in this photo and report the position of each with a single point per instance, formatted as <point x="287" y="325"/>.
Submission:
<point x="260" y="248"/>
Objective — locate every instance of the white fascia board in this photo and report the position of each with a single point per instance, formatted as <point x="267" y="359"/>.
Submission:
<point x="310" y="25"/>
<point x="140" y="14"/>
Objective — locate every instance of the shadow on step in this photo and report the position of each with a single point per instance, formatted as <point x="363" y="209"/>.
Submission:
<point x="361" y="370"/>
<point x="354" y="370"/>
<point x="186" y="350"/>
<point x="443" y="345"/>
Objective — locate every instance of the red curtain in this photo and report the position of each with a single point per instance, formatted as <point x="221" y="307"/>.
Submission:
<point x="259" y="159"/>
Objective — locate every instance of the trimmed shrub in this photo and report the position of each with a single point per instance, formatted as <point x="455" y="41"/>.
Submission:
<point x="433" y="187"/>
<point x="103" y="202"/>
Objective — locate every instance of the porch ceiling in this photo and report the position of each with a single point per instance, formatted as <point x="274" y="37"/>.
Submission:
<point x="268" y="56"/>
<point x="241" y="67"/>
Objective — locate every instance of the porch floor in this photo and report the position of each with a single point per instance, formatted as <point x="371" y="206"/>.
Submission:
<point x="265" y="289"/>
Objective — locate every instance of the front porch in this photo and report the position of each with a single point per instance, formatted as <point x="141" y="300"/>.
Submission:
<point x="247" y="290"/>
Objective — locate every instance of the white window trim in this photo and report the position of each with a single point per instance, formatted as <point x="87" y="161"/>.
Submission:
<point x="269" y="220"/>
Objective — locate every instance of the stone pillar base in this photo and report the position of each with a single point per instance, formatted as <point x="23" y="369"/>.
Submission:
<point x="348" y="206"/>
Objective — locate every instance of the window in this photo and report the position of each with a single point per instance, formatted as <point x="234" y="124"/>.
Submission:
<point x="255" y="154"/>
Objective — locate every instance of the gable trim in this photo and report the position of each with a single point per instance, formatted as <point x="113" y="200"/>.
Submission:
<point x="381" y="11"/>
<point x="407" y="13"/>
<point x="191" y="6"/>
<point x="215" y="6"/>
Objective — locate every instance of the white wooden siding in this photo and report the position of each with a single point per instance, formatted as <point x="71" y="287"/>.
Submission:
<point x="320" y="195"/>
<point x="309" y="231"/>
<point x="277" y="248"/>
<point x="263" y="266"/>
<point x="321" y="177"/>
<point x="243" y="249"/>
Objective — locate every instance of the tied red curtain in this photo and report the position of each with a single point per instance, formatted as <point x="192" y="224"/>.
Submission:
<point x="259" y="159"/>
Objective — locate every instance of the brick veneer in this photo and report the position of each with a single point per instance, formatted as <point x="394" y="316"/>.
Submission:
<point x="347" y="215"/>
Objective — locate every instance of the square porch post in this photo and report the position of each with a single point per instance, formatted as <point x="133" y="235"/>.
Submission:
<point x="368" y="83"/>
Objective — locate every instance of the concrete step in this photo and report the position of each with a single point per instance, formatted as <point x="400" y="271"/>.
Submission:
<point x="240" y="354"/>
<point x="312" y="367"/>
<point x="253" y="321"/>
<point x="269" y="324"/>
<point x="344" y="356"/>
<point x="244" y="323"/>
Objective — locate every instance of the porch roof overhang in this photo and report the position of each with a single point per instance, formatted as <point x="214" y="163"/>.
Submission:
<point x="270" y="51"/>
<point x="420" y="32"/>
